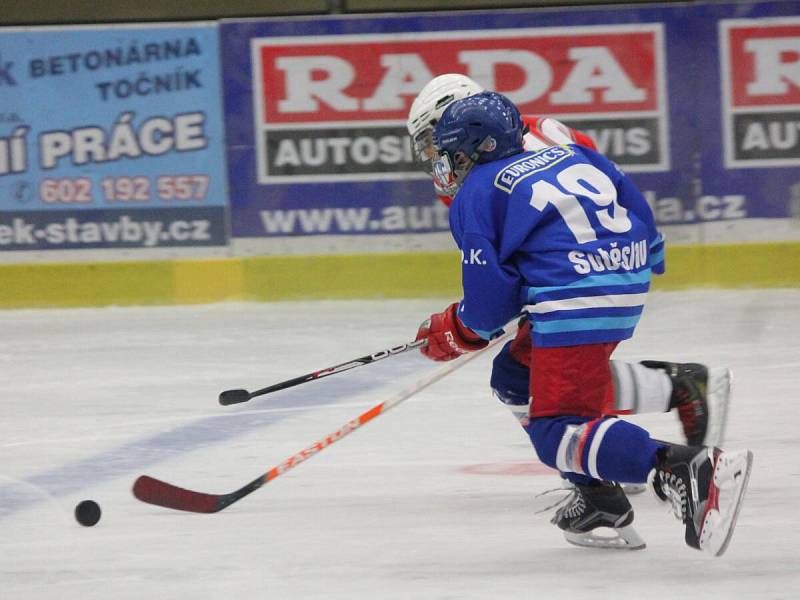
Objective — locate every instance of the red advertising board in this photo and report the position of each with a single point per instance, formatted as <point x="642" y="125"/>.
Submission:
<point x="361" y="87"/>
<point x="761" y="91"/>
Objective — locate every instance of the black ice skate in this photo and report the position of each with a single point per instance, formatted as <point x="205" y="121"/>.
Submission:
<point x="706" y="487"/>
<point x="701" y="397"/>
<point x="591" y="507"/>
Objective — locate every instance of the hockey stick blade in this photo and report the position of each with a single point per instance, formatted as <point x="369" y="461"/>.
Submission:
<point x="229" y="397"/>
<point x="154" y="491"/>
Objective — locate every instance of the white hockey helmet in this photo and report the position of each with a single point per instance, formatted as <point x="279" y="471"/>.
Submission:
<point x="428" y="107"/>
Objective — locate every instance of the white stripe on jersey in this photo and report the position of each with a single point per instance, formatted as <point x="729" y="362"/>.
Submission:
<point x="609" y="301"/>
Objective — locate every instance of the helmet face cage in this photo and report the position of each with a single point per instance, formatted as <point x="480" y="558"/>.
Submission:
<point x="444" y="174"/>
<point x="424" y="149"/>
<point x="450" y="170"/>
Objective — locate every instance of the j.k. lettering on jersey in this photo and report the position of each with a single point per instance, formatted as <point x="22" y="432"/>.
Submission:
<point x="335" y="107"/>
<point x="761" y="90"/>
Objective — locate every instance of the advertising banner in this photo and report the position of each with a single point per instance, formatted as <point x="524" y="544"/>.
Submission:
<point x="761" y="92"/>
<point x="699" y="103"/>
<point x="111" y="137"/>
<point x="314" y="121"/>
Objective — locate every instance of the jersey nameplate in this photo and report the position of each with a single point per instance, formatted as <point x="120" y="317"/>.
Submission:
<point x="508" y="178"/>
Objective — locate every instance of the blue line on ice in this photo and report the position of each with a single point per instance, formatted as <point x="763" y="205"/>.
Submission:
<point x="131" y="458"/>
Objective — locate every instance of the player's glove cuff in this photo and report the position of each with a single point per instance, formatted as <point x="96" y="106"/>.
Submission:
<point x="447" y="336"/>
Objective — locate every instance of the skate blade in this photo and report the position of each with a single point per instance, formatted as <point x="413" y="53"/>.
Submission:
<point x="731" y="476"/>
<point x="622" y="538"/>
<point x="718" y="398"/>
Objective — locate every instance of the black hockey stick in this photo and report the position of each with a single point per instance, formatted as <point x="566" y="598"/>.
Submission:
<point x="236" y="396"/>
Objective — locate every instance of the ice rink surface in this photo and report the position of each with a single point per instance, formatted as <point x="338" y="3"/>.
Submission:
<point x="433" y="500"/>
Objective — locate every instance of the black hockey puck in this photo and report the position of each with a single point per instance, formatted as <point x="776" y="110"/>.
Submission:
<point x="87" y="513"/>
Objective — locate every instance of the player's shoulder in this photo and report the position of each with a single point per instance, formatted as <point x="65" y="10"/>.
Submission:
<point x="546" y="131"/>
<point x="535" y="164"/>
<point x="601" y="161"/>
<point x="503" y="176"/>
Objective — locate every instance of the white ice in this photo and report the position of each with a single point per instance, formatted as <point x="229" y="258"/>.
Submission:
<point x="432" y="500"/>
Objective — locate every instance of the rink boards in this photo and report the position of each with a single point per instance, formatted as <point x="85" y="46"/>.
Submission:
<point x="268" y="158"/>
<point x="387" y="275"/>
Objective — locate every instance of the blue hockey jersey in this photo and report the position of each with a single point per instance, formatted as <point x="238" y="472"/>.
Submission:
<point x="561" y="233"/>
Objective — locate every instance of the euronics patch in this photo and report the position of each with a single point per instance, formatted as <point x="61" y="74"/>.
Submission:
<point x="509" y="177"/>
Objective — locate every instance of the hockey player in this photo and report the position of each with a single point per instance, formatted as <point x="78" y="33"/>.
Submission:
<point x="565" y="235"/>
<point x="699" y="395"/>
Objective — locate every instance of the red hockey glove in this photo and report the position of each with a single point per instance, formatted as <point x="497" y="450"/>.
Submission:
<point x="447" y="336"/>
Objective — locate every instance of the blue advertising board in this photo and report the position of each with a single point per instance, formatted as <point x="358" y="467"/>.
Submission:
<point x="111" y="137"/>
<point x="700" y="103"/>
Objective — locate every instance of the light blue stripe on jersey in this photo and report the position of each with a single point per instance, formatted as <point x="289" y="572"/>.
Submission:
<point x="544" y="327"/>
<point x="611" y="290"/>
<point x="657" y="257"/>
<point x="595" y="280"/>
